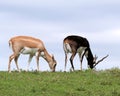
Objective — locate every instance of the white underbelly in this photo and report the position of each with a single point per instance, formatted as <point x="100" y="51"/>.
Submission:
<point x="81" y="49"/>
<point x="27" y="50"/>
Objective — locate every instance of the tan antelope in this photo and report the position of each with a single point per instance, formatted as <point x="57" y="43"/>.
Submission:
<point x="31" y="46"/>
<point x="77" y="44"/>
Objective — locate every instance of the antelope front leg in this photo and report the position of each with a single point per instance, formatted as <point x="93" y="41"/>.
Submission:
<point x="30" y="59"/>
<point x="81" y="59"/>
<point x="81" y="55"/>
<point x="37" y="59"/>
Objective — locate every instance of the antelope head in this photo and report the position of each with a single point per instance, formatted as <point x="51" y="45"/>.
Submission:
<point x="52" y="64"/>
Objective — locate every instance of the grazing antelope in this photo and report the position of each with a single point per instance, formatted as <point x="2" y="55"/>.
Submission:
<point x="31" y="46"/>
<point x="77" y="44"/>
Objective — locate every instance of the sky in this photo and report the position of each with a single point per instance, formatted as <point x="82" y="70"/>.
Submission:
<point x="53" y="20"/>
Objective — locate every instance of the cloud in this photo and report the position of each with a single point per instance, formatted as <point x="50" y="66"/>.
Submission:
<point x="106" y="37"/>
<point x="85" y="16"/>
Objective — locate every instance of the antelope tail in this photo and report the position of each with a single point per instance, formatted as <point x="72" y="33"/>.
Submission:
<point x="10" y="44"/>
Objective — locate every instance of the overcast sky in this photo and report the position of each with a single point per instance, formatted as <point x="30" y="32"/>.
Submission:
<point x="53" y="20"/>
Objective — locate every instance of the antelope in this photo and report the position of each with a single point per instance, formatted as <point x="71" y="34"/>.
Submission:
<point x="31" y="46"/>
<point x="76" y="44"/>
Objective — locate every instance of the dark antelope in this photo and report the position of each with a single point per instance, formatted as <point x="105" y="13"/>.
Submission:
<point x="31" y="46"/>
<point x="77" y="44"/>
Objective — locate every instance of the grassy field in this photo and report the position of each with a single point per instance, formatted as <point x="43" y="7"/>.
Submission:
<point x="85" y="83"/>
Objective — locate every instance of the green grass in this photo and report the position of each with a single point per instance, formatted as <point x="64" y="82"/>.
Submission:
<point x="85" y="83"/>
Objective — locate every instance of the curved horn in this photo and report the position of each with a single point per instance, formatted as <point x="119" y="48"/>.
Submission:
<point x="100" y="60"/>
